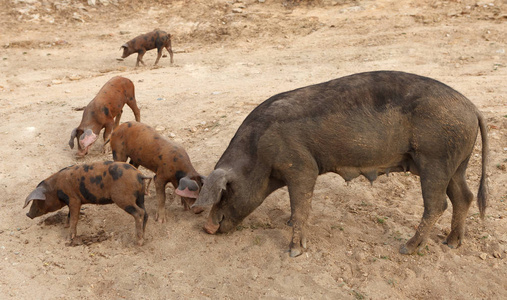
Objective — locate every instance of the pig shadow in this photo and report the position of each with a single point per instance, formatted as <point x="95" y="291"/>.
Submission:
<point x="88" y="240"/>
<point x="60" y="218"/>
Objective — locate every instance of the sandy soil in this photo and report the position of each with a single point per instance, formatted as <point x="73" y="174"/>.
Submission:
<point x="230" y="57"/>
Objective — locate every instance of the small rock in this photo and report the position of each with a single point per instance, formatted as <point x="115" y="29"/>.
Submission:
<point x="360" y="256"/>
<point x="160" y="128"/>
<point x="237" y="10"/>
<point x="172" y="135"/>
<point x="160" y="98"/>
<point x="497" y="254"/>
<point x="483" y="256"/>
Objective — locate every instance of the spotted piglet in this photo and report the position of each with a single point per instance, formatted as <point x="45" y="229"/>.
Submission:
<point x="170" y="162"/>
<point x="140" y="44"/>
<point x="97" y="183"/>
<point x="104" y="111"/>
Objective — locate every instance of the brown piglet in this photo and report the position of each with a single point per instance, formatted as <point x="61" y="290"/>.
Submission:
<point x="104" y="111"/>
<point x="140" y="44"/>
<point x="97" y="183"/>
<point x="170" y="162"/>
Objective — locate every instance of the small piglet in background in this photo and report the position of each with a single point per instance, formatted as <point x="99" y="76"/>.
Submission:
<point x="140" y="44"/>
<point x="167" y="159"/>
<point x="104" y="111"/>
<point x="97" y="183"/>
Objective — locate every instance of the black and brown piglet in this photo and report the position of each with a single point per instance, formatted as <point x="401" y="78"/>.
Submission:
<point x="140" y="44"/>
<point x="170" y="162"/>
<point x="104" y="111"/>
<point x="97" y="183"/>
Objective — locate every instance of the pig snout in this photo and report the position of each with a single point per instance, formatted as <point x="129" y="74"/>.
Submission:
<point x="214" y="223"/>
<point x="86" y="139"/>
<point x="30" y="216"/>
<point x="187" y="188"/>
<point x="210" y="227"/>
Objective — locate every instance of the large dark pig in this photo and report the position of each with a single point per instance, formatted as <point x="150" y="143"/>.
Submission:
<point x="170" y="162"/>
<point x="363" y="124"/>
<point x="140" y="44"/>
<point x="104" y="111"/>
<point x="97" y="183"/>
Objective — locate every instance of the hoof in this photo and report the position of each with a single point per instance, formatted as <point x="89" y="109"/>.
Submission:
<point x="197" y="210"/>
<point x="295" y="252"/>
<point x="159" y="219"/>
<point x="404" y="250"/>
<point x="448" y="245"/>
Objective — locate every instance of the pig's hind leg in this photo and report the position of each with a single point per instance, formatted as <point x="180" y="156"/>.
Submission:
<point x="138" y="211"/>
<point x="461" y="198"/>
<point x="434" y="181"/>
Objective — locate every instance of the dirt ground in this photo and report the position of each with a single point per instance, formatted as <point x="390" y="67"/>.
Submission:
<point x="229" y="57"/>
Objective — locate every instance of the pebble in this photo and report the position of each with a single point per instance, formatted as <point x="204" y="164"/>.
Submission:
<point x="160" y="128"/>
<point x="483" y="256"/>
<point x="360" y="256"/>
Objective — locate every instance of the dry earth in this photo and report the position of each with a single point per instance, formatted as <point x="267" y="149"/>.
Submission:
<point x="230" y="56"/>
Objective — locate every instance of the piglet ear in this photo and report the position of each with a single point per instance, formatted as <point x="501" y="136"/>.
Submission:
<point x="187" y="188"/>
<point x="124" y="46"/>
<point x="212" y="188"/>
<point x="38" y="194"/>
<point x="72" y="137"/>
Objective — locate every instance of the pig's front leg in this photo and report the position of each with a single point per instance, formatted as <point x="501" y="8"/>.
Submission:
<point x="74" y="207"/>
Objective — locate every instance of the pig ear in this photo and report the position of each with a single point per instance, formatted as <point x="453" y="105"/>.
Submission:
<point x="187" y="188"/>
<point x="38" y="194"/>
<point x="72" y="137"/>
<point x="212" y="188"/>
<point x="124" y="46"/>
